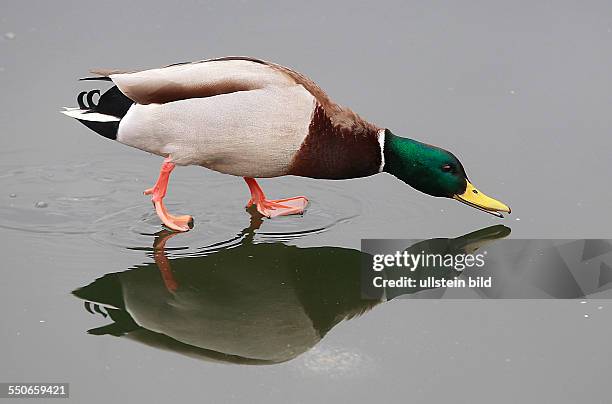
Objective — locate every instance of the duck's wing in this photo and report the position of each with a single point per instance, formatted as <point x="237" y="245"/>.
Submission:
<point x="198" y="79"/>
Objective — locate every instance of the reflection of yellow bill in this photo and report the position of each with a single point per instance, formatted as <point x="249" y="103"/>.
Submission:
<point x="476" y="199"/>
<point x="475" y="240"/>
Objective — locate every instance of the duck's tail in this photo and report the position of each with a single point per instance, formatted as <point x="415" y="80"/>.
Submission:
<point x="103" y="117"/>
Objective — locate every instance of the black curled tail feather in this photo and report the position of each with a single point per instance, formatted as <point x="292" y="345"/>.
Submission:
<point x="90" y="103"/>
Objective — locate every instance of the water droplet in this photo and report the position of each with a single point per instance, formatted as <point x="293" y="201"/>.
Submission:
<point x="518" y="219"/>
<point x="12" y="195"/>
<point x="599" y="307"/>
<point x="41" y="321"/>
<point x="10" y="35"/>
<point x="508" y="360"/>
<point x="586" y="316"/>
<point x="512" y="92"/>
<point x="41" y="204"/>
<point x="582" y="301"/>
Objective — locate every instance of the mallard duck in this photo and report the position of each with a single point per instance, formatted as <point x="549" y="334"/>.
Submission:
<point x="255" y="119"/>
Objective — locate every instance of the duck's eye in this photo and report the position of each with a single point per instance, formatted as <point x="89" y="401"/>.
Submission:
<point x="447" y="168"/>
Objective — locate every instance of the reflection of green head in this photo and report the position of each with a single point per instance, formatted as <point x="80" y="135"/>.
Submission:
<point x="440" y="248"/>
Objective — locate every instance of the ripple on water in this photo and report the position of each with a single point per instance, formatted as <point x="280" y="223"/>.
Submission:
<point x="327" y="208"/>
<point x="104" y="199"/>
<point x="54" y="199"/>
<point x="220" y="218"/>
<point x="62" y="199"/>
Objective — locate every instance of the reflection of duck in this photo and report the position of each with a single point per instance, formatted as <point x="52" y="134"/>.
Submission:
<point x="253" y="303"/>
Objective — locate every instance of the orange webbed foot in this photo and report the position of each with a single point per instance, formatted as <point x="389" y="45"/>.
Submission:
<point x="274" y="207"/>
<point x="280" y="207"/>
<point x="176" y="223"/>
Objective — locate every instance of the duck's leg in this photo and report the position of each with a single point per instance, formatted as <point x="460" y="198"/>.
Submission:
<point x="275" y="207"/>
<point x="158" y="192"/>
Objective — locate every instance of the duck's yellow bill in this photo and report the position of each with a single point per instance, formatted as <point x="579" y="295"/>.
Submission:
<point x="476" y="199"/>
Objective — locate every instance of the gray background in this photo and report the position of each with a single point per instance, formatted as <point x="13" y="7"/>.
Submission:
<point x="520" y="91"/>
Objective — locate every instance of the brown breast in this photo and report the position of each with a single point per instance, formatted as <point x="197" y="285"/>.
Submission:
<point x="340" y="144"/>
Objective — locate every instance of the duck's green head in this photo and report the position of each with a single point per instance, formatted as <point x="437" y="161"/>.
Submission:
<point x="434" y="171"/>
